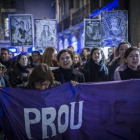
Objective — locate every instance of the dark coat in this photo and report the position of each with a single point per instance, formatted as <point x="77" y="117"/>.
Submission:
<point x="68" y="76"/>
<point x="18" y="75"/>
<point x="95" y="72"/>
<point x="112" y="67"/>
<point x="7" y="63"/>
<point x="129" y="74"/>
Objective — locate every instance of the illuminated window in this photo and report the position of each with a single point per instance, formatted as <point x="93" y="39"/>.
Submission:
<point x="74" y="43"/>
<point x="60" y="45"/>
<point x="66" y="43"/>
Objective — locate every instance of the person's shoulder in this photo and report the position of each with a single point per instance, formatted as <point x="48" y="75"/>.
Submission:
<point x="114" y="61"/>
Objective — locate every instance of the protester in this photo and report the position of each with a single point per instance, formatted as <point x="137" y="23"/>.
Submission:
<point x="70" y="48"/>
<point x="41" y="78"/>
<point x="49" y="57"/>
<point x="35" y="58"/>
<point x="66" y="72"/>
<point x="11" y="55"/>
<point x="95" y="69"/>
<point x="85" y="55"/>
<point x="5" y="59"/>
<point x="77" y="61"/>
<point x="19" y="72"/>
<point x="4" y="82"/>
<point x="119" y="60"/>
<point x="131" y="68"/>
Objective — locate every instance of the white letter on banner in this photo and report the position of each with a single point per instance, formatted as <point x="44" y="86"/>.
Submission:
<point x="63" y="109"/>
<point x="28" y="121"/>
<point x="72" y="126"/>
<point x="52" y="112"/>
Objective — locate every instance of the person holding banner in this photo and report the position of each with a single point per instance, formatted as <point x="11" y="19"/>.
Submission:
<point x="66" y="72"/>
<point x="41" y="78"/>
<point x="131" y="68"/>
<point x="95" y="69"/>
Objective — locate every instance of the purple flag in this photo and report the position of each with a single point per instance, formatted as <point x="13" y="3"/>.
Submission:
<point x="89" y="111"/>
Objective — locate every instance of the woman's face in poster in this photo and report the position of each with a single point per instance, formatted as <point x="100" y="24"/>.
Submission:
<point x="114" y="23"/>
<point x="46" y="28"/>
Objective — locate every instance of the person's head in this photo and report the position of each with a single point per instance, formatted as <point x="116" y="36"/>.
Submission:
<point x="35" y="56"/>
<point x="65" y="58"/>
<point x="5" y="54"/>
<point x="41" y="77"/>
<point x="97" y="55"/>
<point x="49" y="55"/>
<point x="46" y="27"/>
<point x="76" y="58"/>
<point x="85" y="52"/>
<point x="21" y="24"/>
<point x="122" y="47"/>
<point x="132" y="57"/>
<point x="11" y="55"/>
<point x="70" y="48"/>
<point x="113" y="22"/>
<point x="23" y="59"/>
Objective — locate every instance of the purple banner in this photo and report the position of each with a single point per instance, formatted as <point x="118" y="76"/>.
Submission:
<point x="89" y="111"/>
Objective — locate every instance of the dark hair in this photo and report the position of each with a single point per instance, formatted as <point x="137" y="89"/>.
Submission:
<point x="62" y="51"/>
<point x="20" y="55"/>
<point x="129" y="50"/>
<point x="117" y="50"/>
<point x="70" y="47"/>
<point x="5" y="49"/>
<point x="88" y="50"/>
<point x="102" y="53"/>
<point x="21" y="22"/>
<point x="36" y="52"/>
<point x="40" y="73"/>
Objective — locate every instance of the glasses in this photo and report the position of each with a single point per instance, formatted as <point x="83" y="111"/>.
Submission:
<point x="39" y="85"/>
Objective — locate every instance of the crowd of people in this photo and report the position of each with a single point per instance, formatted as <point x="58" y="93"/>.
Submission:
<point x="54" y="68"/>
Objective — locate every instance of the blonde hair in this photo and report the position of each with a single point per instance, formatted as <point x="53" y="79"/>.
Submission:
<point x="47" y="56"/>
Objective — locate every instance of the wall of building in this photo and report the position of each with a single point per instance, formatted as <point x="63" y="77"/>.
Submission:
<point x="134" y="19"/>
<point x="39" y="8"/>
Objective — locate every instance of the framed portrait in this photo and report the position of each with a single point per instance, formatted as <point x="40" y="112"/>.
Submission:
<point x="45" y="33"/>
<point x="21" y="29"/>
<point x="114" y="27"/>
<point x="92" y="36"/>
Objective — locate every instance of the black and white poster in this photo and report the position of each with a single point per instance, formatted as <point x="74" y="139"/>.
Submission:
<point x="45" y="33"/>
<point x="92" y="36"/>
<point x="114" y="28"/>
<point x="21" y="29"/>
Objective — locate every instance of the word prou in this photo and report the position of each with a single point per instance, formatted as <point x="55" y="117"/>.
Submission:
<point x="51" y="111"/>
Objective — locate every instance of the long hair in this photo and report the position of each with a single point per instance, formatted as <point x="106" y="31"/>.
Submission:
<point x="47" y="56"/>
<point x="122" y="43"/>
<point x="40" y="73"/>
<point x="102" y="53"/>
<point x="80" y="61"/>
